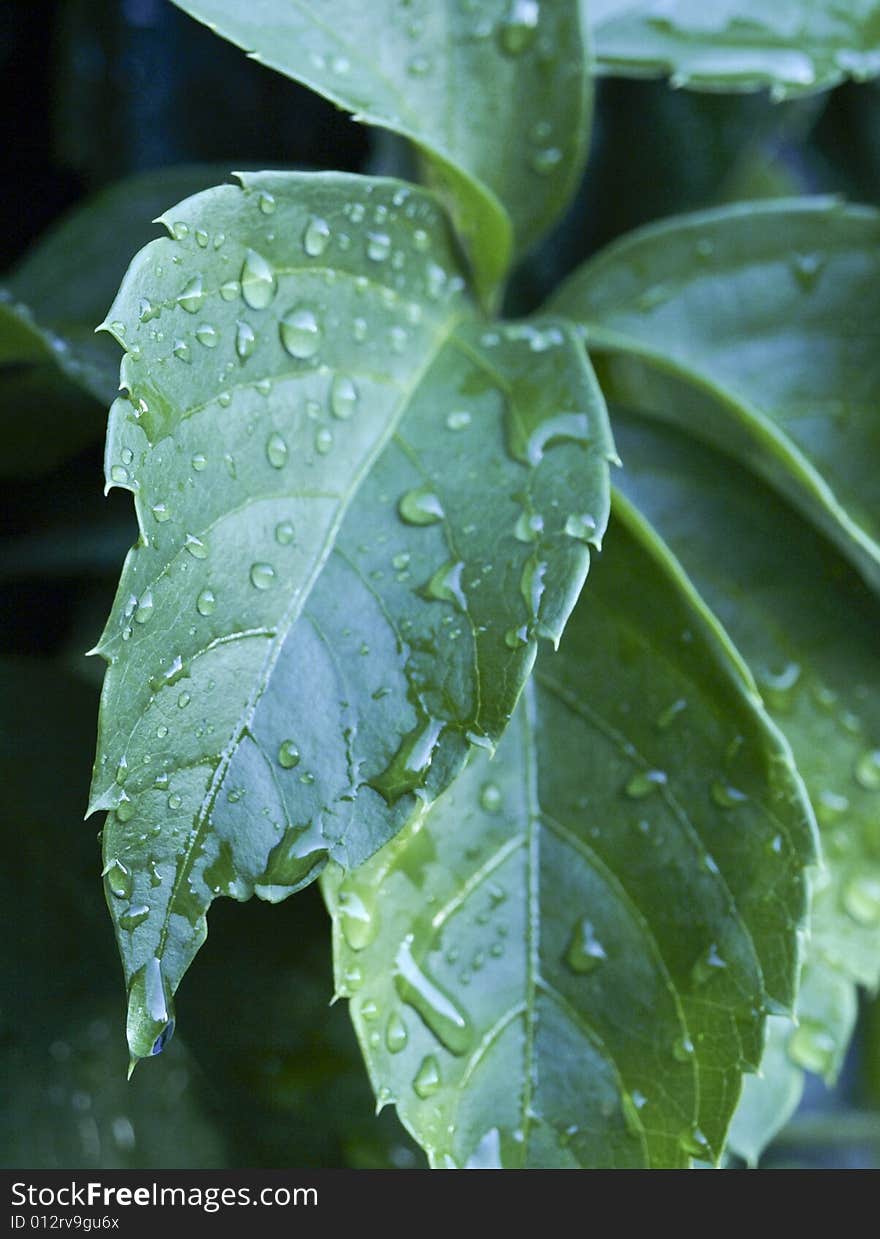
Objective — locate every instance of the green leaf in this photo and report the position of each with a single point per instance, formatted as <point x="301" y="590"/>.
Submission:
<point x="359" y="508"/>
<point x="566" y="961"/>
<point x="57" y="294"/>
<point x="496" y="97"/>
<point x="756" y="327"/>
<point x="79" y="356"/>
<point x="792" y="46"/>
<point x="808" y="627"/>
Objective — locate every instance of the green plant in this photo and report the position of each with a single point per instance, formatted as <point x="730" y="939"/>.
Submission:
<point x="575" y="893"/>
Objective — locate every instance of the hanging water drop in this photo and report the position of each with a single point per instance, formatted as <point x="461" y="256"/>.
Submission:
<point x="300" y="333"/>
<point x="585" y="952"/>
<point x="421" y="507"/>
<point x="518" y="27"/>
<point x="396" y="1035"/>
<point x="258" y="282"/>
<point x="276" y="451"/>
<point x="191" y="296"/>
<point x="206" y="602"/>
<point x="245" y="340"/>
<point x="262" y="576"/>
<point x="343" y="397"/>
<point x="316" y="237"/>
<point x="288" y="755"/>
<point x="436" y="1009"/>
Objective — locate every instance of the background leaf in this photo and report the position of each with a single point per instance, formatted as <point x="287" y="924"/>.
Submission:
<point x="359" y="509"/>
<point x="792" y="46"/>
<point x="496" y="97"/>
<point x="808" y="628"/>
<point x="620" y="890"/>
<point x="756" y="328"/>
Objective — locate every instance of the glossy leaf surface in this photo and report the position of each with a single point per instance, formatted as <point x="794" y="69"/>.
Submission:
<point x="359" y="509"/>
<point x="566" y="961"/>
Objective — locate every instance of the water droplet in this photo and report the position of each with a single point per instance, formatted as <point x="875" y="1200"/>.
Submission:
<point x="357" y="919"/>
<point x="644" y="783"/>
<point x="301" y="333"/>
<point x="378" y="246"/>
<point x="323" y="441"/>
<point x="118" y="473"/>
<point x="150" y="1021"/>
<point x="683" y="1049"/>
<point x="195" y="546"/>
<point x="201" y="238"/>
<point x="396" y="1035"/>
<point x="181" y="350"/>
<point x="418" y="66"/>
<point x="458" y="419"/>
<point x="183" y="700"/>
<point x="175" y="800"/>
<point x="316" y="237"/>
<point x="118" y="879"/>
<point x="436" y="1009"/>
<point x="284" y="533"/>
<point x="585" y="952"/>
<point x="581" y="526"/>
<point x="421" y="507"/>
<point x="206" y="602"/>
<point x="343" y="397"/>
<point x="545" y="160"/>
<point x="427" y="1080"/>
<point x="266" y="203"/>
<point x="807" y="269"/>
<point x="192" y="295"/>
<point x="518" y="27"/>
<point x="208" y="335"/>
<point x="136" y="915"/>
<point x="230" y="289"/>
<point x="707" y="966"/>
<point x="353" y="978"/>
<point x="812" y="1047"/>
<point x="199" y="461"/>
<point x="861" y="899"/>
<point x="144" y="607"/>
<point x="179" y="230"/>
<point x="668" y="716"/>
<point x="726" y="796"/>
<point x="491" y="800"/>
<point x="262" y="576"/>
<point x="515" y="638"/>
<point x="445" y="585"/>
<point x="258" y="282"/>
<point x="529" y="527"/>
<point x="160" y="512"/>
<point x="288" y="755"/>
<point x="276" y="451"/>
<point x="125" y="809"/>
<point x="694" y="1143"/>
<point x="868" y="770"/>
<point x="245" y="340"/>
<point x="777" y="687"/>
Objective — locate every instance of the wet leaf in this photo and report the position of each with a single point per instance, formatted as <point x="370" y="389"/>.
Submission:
<point x="360" y="507"/>
<point x="566" y="962"/>
<point x="755" y="327"/>
<point x="808" y="629"/>
<point x="792" y="46"/>
<point x="495" y="96"/>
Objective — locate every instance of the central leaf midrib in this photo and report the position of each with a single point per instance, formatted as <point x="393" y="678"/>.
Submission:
<point x="443" y="334"/>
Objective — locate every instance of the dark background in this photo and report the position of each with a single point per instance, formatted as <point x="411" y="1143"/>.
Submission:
<point x="265" y="1073"/>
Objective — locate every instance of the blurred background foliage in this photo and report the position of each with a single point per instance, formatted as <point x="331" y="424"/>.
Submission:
<point x="265" y="1072"/>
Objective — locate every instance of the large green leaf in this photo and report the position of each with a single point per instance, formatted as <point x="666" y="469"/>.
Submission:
<point x="496" y="96"/>
<point x="359" y="508"/>
<point x="808" y="628"/>
<point x="757" y="327"/>
<point x="792" y="46"/>
<point x="76" y="352"/>
<point x="566" y="962"/>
